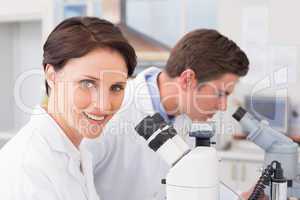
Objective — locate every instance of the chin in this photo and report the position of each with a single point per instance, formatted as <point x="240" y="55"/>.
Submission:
<point x="202" y="117"/>
<point x="92" y="133"/>
<point x="211" y="115"/>
<point x="199" y="118"/>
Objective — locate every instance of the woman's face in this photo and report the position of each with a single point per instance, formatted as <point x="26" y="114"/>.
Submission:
<point x="88" y="90"/>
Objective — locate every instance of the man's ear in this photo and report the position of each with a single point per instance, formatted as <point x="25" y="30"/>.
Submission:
<point x="50" y="75"/>
<point x="188" y="79"/>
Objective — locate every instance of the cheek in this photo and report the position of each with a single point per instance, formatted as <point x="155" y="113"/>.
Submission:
<point x="198" y="106"/>
<point x="203" y="104"/>
<point x="116" y="101"/>
<point x="82" y="98"/>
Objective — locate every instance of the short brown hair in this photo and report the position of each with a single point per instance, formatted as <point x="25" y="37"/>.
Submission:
<point x="209" y="54"/>
<point x="77" y="36"/>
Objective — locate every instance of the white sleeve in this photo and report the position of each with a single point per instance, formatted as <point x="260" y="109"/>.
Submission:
<point x="34" y="185"/>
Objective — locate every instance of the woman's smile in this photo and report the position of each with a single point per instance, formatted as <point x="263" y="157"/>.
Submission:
<point x="98" y="119"/>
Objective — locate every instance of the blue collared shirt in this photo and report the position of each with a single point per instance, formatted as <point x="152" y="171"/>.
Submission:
<point x="151" y="80"/>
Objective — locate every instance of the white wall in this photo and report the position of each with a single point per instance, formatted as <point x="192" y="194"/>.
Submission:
<point x="20" y="52"/>
<point x="168" y="20"/>
<point x="271" y="43"/>
<point x="31" y="10"/>
<point x="283" y="16"/>
<point x="13" y="10"/>
<point x="278" y="33"/>
<point x="27" y="57"/>
<point x="284" y="26"/>
<point x="6" y="72"/>
<point x="24" y="25"/>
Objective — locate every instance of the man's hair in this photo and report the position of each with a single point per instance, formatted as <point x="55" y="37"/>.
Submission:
<point x="77" y="36"/>
<point x="209" y="54"/>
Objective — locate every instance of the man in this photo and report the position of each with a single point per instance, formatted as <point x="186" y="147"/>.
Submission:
<point x="201" y="72"/>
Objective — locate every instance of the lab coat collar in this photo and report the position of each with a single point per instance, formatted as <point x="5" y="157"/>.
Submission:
<point x="57" y="140"/>
<point x="137" y="93"/>
<point x="53" y="134"/>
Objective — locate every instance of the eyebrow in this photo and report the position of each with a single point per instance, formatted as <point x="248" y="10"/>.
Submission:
<point x="97" y="79"/>
<point x="92" y="77"/>
<point x="120" y="82"/>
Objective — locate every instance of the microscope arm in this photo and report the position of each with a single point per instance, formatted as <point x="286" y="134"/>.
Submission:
<point x="262" y="134"/>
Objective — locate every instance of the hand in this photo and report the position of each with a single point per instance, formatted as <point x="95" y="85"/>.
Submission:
<point x="246" y="195"/>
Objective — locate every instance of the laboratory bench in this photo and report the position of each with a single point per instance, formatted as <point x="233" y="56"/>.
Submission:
<point x="241" y="165"/>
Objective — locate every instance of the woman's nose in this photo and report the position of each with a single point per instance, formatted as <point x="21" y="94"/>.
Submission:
<point x="103" y="103"/>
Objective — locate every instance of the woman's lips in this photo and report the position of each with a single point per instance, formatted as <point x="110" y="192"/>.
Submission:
<point x="95" y="118"/>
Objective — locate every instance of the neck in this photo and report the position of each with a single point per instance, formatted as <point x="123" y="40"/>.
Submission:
<point x="168" y="93"/>
<point x="71" y="133"/>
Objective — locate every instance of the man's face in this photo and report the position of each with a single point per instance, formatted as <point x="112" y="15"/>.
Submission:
<point x="202" y="101"/>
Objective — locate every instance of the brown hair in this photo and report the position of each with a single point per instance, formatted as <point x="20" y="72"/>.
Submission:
<point x="77" y="36"/>
<point x="209" y="54"/>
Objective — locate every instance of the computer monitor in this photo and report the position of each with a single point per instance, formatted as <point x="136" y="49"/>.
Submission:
<point x="273" y="109"/>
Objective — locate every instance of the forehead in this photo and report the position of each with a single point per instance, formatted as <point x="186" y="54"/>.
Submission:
<point x="225" y="82"/>
<point x="97" y="63"/>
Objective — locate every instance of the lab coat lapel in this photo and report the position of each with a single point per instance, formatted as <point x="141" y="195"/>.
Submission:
<point x="58" y="142"/>
<point x="75" y="172"/>
<point x="87" y="169"/>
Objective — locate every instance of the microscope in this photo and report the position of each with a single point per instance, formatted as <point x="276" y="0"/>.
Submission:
<point x="194" y="172"/>
<point x="280" y="178"/>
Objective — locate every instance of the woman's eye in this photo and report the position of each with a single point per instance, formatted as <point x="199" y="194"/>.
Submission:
<point x="87" y="84"/>
<point x="117" y="88"/>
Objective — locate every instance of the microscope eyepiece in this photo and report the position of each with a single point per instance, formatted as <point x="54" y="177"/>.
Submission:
<point x="149" y="125"/>
<point x="239" y="114"/>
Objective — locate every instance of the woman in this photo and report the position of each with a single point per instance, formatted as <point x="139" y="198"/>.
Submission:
<point x="86" y="62"/>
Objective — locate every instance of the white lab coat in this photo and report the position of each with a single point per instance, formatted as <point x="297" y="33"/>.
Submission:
<point x="40" y="163"/>
<point x="125" y="167"/>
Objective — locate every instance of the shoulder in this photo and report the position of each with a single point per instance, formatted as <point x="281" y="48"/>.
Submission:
<point x="24" y="162"/>
<point x="24" y="143"/>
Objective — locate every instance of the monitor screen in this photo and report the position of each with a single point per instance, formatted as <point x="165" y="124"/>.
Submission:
<point x="272" y="109"/>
